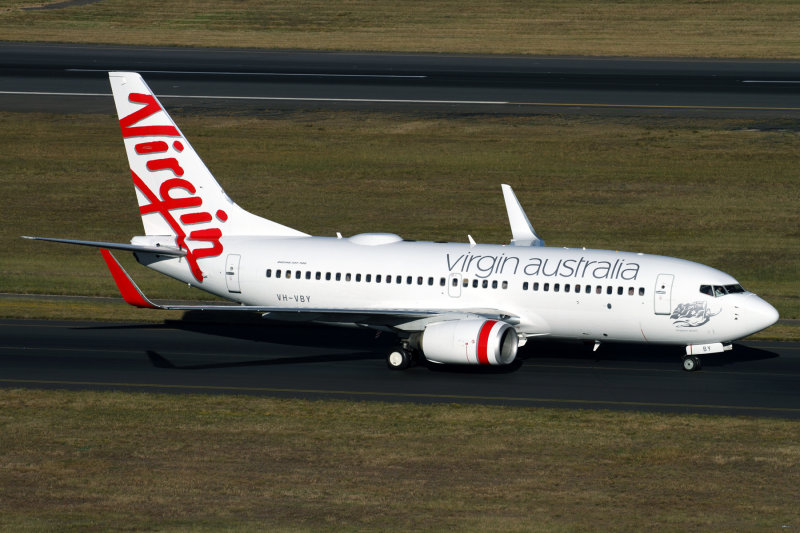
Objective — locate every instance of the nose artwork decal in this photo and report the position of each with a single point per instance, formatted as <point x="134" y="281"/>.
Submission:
<point x="692" y="315"/>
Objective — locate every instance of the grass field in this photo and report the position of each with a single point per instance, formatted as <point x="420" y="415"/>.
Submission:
<point x="683" y="28"/>
<point x="122" y="461"/>
<point x="720" y="192"/>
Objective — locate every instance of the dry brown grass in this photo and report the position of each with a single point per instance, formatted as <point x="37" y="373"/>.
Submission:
<point x="77" y="461"/>
<point x="747" y="28"/>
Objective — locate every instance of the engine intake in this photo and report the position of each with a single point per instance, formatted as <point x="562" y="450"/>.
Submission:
<point x="470" y="342"/>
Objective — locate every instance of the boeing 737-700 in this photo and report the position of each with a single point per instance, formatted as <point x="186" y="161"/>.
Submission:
<point x="456" y="303"/>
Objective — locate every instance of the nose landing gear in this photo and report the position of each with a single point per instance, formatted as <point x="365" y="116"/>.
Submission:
<point x="692" y="363"/>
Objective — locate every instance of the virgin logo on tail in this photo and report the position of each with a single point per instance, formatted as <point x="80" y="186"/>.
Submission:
<point x="165" y="202"/>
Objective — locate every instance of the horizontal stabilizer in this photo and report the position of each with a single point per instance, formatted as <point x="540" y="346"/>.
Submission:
<point x="162" y="250"/>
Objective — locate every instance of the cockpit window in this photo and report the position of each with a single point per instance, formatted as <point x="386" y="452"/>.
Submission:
<point x="721" y="290"/>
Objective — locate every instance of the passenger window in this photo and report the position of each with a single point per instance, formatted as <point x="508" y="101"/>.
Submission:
<point x="546" y="287"/>
<point x="609" y="290"/>
<point x="378" y="278"/>
<point x="556" y="287"/>
<point x="419" y="280"/>
<point x="474" y="283"/>
<point x="588" y="289"/>
<point x="298" y="275"/>
<point x="358" y="277"/>
<point x="578" y="288"/>
<point x="630" y="291"/>
<point x="288" y="274"/>
<point x="430" y="281"/>
<point x="269" y="272"/>
<point x="277" y="273"/>
<point x="466" y="283"/>
<point x="525" y="286"/>
<point x="505" y="285"/>
<point x="641" y="291"/>
<point x="338" y="276"/>
<point x="409" y="280"/>
<point x="486" y="284"/>
<point x="308" y="274"/>
<point x="619" y="291"/>
<point x="399" y="280"/>
<point x="319" y="275"/>
<point x="566" y="287"/>
<point x="599" y="290"/>
<point x="536" y="285"/>
<point x="368" y="278"/>
<point x="494" y="284"/>
<point x="348" y="276"/>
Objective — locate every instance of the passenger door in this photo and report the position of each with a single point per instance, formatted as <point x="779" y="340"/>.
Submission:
<point x="663" y="294"/>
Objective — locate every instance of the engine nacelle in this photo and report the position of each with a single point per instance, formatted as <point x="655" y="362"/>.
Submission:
<point x="470" y="342"/>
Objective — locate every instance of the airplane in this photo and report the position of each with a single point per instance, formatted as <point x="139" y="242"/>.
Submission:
<point x="449" y="303"/>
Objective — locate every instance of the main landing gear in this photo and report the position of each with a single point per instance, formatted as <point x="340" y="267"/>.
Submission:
<point x="692" y="363"/>
<point x="400" y="358"/>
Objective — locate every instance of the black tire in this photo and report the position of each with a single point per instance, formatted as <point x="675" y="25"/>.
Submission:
<point x="398" y="359"/>
<point x="692" y="363"/>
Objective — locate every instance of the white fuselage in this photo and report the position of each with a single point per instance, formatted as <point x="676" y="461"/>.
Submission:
<point x="562" y="293"/>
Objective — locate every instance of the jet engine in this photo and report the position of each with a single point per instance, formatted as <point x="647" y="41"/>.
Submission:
<point x="470" y="342"/>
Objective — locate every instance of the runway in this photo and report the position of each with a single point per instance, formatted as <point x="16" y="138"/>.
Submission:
<point x="73" y="79"/>
<point x="317" y="362"/>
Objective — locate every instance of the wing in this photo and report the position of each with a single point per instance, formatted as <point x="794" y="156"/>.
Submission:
<point x="402" y="319"/>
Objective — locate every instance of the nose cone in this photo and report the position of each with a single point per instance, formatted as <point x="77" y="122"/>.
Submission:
<point x="760" y="314"/>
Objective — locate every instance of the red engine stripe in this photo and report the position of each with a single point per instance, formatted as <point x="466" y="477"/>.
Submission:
<point x="483" y="341"/>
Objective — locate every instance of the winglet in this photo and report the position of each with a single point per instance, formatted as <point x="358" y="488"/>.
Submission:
<point x="130" y="292"/>
<point x="522" y="232"/>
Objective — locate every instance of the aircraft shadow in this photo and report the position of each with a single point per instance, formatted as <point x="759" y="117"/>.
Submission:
<point x="369" y="344"/>
<point x="252" y="327"/>
<point x="160" y="361"/>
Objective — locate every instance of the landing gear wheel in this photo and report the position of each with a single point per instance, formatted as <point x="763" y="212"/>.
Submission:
<point x="692" y="363"/>
<point x="398" y="359"/>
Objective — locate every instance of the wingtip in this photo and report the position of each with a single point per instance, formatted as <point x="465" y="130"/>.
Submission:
<point x="127" y="288"/>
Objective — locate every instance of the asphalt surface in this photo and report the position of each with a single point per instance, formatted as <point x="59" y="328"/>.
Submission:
<point x="73" y="78"/>
<point x="197" y="355"/>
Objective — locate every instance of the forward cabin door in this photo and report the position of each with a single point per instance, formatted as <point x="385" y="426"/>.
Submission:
<point x="232" y="272"/>
<point x="663" y="294"/>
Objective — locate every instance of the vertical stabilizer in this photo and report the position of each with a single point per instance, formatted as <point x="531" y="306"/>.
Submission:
<point x="177" y="194"/>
